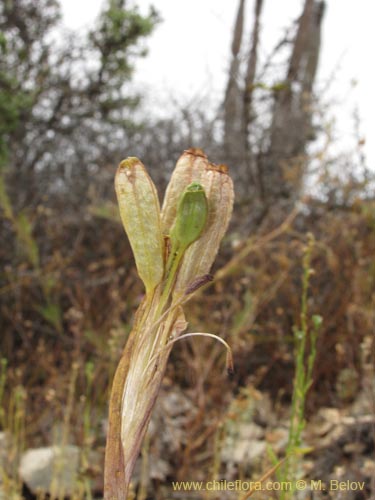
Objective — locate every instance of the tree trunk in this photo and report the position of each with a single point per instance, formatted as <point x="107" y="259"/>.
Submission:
<point x="284" y="164"/>
<point x="248" y="110"/>
<point x="233" y="101"/>
<point x="272" y="178"/>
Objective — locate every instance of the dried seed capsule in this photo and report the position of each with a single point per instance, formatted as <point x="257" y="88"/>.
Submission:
<point x="189" y="168"/>
<point x="199" y="257"/>
<point x="140" y="215"/>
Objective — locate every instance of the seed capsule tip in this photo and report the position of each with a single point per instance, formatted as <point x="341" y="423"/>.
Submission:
<point x="128" y="163"/>
<point x="195" y="152"/>
<point x="222" y="169"/>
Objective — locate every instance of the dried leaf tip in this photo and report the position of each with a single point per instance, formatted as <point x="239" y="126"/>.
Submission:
<point x="198" y="283"/>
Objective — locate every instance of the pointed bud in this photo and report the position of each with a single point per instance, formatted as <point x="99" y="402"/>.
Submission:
<point x="140" y="215"/>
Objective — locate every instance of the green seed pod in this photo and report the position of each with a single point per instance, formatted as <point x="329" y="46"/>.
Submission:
<point x="140" y="214"/>
<point x="191" y="217"/>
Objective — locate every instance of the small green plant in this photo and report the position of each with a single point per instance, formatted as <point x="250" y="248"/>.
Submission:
<point x="304" y="336"/>
<point x="174" y="249"/>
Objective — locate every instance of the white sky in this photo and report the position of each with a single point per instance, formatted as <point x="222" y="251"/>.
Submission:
<point x="189" y="53"/>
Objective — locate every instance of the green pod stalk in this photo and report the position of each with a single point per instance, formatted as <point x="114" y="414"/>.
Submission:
<point x="140" y="214"/>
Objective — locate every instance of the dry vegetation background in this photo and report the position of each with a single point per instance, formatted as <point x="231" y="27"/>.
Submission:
<point x="68" y="283"/>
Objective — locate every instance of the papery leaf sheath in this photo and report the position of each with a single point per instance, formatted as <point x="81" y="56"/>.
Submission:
<point x="140" y="214"/>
